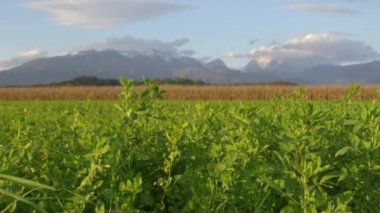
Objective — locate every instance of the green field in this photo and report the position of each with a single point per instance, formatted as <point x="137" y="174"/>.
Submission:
<point x="139" y="155"/>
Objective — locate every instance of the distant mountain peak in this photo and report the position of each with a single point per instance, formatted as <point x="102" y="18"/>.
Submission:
<point x="217" y="63"/>
<point x="253" y="67"/>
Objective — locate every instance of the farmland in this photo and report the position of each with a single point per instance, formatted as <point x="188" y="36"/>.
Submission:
<point x="139" y="154"/>
<point x="174" y="92"/>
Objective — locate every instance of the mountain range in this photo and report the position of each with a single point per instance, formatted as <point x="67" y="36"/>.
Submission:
<point x="111" y="64"/>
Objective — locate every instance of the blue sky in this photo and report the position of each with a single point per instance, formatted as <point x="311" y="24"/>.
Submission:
<point x="236" y="31"/>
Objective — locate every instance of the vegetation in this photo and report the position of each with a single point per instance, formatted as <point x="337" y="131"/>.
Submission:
<point x="144" y="155"/>
<point x="94" y="81"/>
<point x="190" y="92"/>
<point x="87" y="81"/>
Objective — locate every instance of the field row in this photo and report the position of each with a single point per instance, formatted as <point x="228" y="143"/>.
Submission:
<point x="265" y="92"/>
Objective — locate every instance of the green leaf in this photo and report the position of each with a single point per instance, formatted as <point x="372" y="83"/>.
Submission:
<point x="26" y="182"/>
<point x="366" y="145"/>
<point x="287" y="209"/>
<point x="364" y="113"/>
<point x="123" y="82"/>
<point x="100" y="208"/>
<point x="343" y="151"/>
<point x="351" y="122"/>
<point x="21" y="199"/>
<point x="272" y="184"/>
<point x="326" y="178"/>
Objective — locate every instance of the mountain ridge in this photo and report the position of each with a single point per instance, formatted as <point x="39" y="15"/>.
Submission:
<point x="111" y="64"/>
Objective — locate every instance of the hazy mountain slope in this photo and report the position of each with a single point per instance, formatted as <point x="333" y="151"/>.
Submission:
<point x="368" y="73"/>
<point x="112" y="64"/>
<point x="104" y="64"/>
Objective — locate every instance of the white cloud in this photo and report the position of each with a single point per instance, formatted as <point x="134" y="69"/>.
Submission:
<point x="31" y="53"/>
<point x="331" y="9"/>
<point x="235" y="55"/>
<point x="104" y="13"/>
<point x="141" y="46"/>
<point x="193" y="54"/>
<point x="313" y="49"/>
<point x="131" y="46"/>
<point x="22" y="58"/>
<point x="201" y="58"/>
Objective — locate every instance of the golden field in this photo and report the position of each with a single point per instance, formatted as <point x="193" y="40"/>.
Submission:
<point x="209" y="92"/>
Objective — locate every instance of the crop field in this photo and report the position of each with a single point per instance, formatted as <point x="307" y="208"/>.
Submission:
<point x="139" y="154"/>
<point x="173" y="92"/>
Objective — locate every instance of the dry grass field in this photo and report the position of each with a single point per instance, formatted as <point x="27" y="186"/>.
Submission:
<point x="238" y="92"/>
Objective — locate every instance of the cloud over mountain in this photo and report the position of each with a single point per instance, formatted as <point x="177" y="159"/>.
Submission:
<point x="129" y="46"/>
<point x="142" y="46"/>
<point x="314" y="49"/>
<point x="104" y="13"/>
<point x="235" y="55"/>
<point x="318" y="8"/>
<point x="22" y="58"/>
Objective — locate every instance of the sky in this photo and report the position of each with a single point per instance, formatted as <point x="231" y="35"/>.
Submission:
<point x="294" y="31"/>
